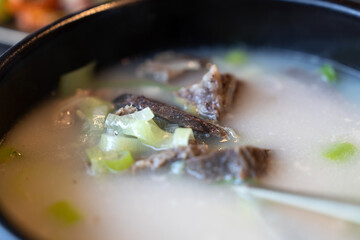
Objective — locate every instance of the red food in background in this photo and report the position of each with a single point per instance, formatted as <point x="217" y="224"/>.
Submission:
<point x="30" y="15"/>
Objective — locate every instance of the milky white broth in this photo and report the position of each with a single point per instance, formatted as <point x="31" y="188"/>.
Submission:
<point x="283" y="105"/>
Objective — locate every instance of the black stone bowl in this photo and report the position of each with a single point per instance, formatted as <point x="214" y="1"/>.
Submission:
<point x="30" y="70"/>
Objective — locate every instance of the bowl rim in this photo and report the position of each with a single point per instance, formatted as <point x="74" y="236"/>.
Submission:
<point x="14" y="53"/>
<point x="348" y="7"/>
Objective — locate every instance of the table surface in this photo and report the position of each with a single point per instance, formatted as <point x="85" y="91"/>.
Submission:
<point x="5" y="235"/>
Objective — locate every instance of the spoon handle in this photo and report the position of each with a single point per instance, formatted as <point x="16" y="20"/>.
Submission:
<point x="338" y="209"/>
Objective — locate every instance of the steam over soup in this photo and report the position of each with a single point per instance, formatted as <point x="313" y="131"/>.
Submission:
<point x="153" y="148"/>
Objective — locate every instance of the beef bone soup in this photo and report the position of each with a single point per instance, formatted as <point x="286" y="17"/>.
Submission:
<point x="153" y="148"/>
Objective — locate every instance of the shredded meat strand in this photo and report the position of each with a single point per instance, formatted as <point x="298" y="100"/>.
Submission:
<point x="171" y="114"/>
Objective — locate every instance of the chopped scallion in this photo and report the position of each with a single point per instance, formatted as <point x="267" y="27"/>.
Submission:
<point x="64" y="212"/>
<point x="79" y="78"/>
<point x="340" y="152"/>
<point x="181" y="136"/>
<point x="329" y="73"/>
<point x="121" y="162"/>
<point x="236" y="57"/>
<point x="91" y="105"/>
<point x="112" y="161"/>
<point x="125" y="121"/>
<point x="142" y="126"/>
<point x="93" y="111"/>
<point x="109" y="143"/>
<point x="149" y="133"/>
<point x="95" y="156"/>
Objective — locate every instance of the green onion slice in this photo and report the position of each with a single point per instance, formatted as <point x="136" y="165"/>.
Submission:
<point x="340" y="152"/>
<point x="79" y="78"/>
<point x="112" y="161"/>
<point x="329" y="73"/>
<point x="236" y="57"/>
<point x="65" y="212"/>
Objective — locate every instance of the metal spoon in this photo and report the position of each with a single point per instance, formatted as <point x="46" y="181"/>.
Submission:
<point x="332" y="207"/>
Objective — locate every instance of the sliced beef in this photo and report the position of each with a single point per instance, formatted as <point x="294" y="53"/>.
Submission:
<point x="213" y="94"/>
<point x="170" y="155"/>
<point x="230" y="86"/>
<point x="240" y="162"/>
<point x="171" y="114"/>
<point x="168" y="65"/>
